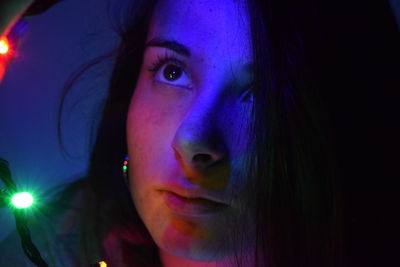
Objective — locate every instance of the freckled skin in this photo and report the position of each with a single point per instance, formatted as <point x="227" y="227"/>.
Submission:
<point x="169" y="125"/>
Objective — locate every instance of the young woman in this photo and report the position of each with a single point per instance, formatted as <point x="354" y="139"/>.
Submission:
<point x="213" y="102"/>
<point x="215" y="105"/>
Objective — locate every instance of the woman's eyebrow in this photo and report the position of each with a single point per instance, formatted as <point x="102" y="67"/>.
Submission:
<point x="169" y="44"/>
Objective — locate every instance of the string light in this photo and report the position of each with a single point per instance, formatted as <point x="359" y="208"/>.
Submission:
<point x="4" y="46"/>
<point x="125" y="166"/>
<point x="22" y="200"/>
<point x="4" y="57"/>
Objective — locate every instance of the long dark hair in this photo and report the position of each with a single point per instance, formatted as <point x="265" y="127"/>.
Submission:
<point x="296" y="205"/>
<point x="298" y="199"/>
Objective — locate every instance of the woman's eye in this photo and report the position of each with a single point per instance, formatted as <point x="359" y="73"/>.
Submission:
<point x="172" y="74"/>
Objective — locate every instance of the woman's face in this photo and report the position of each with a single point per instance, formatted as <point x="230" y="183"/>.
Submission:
<point x="187" y="126"/>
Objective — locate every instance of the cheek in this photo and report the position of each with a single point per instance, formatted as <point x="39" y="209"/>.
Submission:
<point x="152" y="123"/>
<point x="154" y="114"/>
<point x="142" y="125"/>
<point x="236" y="127"/>
<point x="145" y="145"/>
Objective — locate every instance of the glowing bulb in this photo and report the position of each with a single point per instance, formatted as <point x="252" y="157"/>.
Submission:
<point x="4" y="47"/>
<point x="102" y="264"/>
<point x="22" y="200"/>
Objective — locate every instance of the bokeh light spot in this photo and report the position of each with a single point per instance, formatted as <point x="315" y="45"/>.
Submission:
<point x="4" y="47"/>
<point x="22" y="200"/>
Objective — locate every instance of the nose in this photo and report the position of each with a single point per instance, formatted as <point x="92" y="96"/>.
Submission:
<point x="198" y="142"/>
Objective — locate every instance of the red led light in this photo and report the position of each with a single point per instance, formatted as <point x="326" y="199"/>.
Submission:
<point x="4" y="46"/>
<point x="5" y="50"/>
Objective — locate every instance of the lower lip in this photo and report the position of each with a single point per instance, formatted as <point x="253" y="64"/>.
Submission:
<point x="191" y="206"/>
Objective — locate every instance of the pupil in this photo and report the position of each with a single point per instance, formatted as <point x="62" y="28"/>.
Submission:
<point x="172" y="72"/>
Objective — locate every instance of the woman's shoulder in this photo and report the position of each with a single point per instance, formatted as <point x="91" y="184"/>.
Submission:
<point x="54" y="229"/>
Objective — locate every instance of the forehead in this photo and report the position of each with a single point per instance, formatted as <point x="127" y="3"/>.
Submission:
<point x="207" y="27"/>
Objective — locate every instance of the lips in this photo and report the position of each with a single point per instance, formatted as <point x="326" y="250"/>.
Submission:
<point x="191" y="205"/>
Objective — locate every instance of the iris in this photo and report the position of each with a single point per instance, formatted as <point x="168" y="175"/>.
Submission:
<point x="172" y="72"/>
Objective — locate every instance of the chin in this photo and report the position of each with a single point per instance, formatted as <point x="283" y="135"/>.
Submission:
<point x="187" y="240"/>
<point x="194" y="253"/>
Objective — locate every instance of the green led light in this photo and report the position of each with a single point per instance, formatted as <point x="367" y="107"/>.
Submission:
<point x="22" y="200"/>
<point x="124" y="168"/>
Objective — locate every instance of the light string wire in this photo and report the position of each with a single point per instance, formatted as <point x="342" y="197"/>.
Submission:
<point x="28" y="246"/>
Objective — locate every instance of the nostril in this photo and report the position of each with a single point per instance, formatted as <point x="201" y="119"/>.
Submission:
<point x="202" y="159"/>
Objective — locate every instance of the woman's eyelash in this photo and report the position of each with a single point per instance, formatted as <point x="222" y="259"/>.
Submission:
<point x="166" y="58"/>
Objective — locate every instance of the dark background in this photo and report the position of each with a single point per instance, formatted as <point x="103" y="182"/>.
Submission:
<point x="361" y="73"/>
